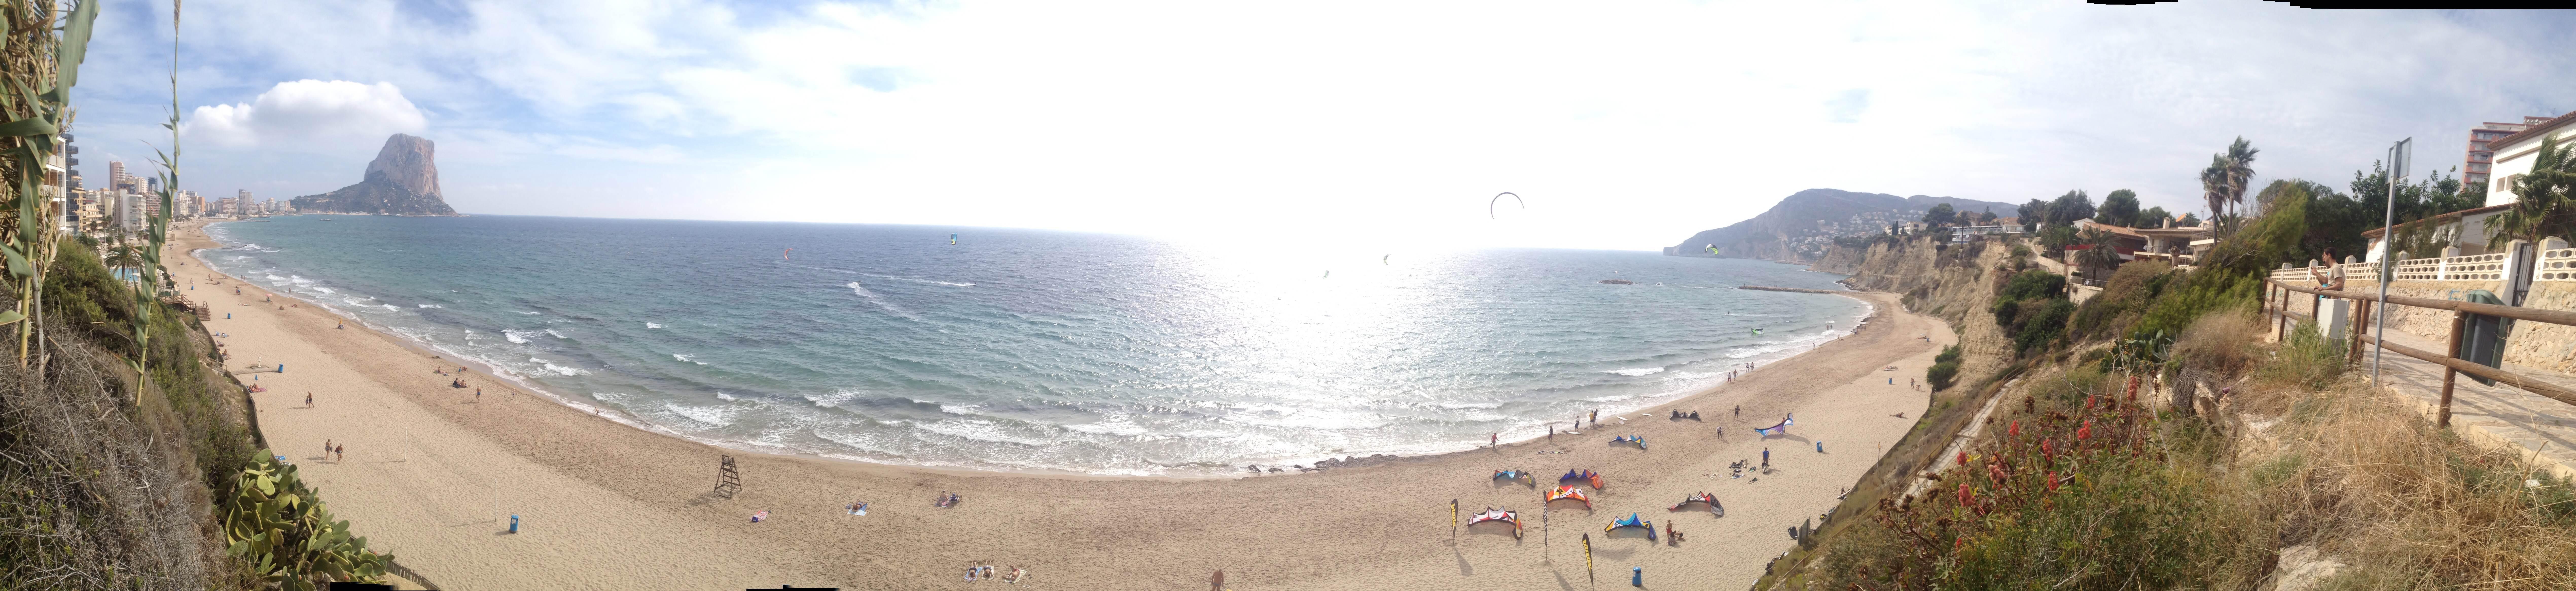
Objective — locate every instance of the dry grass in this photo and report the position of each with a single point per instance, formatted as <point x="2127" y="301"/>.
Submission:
<point x="98" y="495"/>
<point x="2299" y="455"/>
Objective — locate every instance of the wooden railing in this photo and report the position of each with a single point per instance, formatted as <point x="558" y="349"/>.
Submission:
<point x="2276" y="299"/>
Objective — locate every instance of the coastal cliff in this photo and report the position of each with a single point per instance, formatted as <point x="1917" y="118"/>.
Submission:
<point x="1953" y="282"/>
<point x="403" y="179"/>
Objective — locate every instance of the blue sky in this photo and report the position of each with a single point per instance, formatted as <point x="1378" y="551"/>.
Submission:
<point x="1625" y="125"/>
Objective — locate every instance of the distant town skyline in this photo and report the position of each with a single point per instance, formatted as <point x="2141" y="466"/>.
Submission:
<point x="1628" y="126"/>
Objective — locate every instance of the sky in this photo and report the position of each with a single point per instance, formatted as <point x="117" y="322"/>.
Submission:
<point x="1621" y="125"/>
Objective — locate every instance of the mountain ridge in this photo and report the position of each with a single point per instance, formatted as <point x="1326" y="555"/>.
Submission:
<point x="1779" y="233"/>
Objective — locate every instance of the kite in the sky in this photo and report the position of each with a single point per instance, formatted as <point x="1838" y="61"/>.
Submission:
<point x="1498" y="200"/>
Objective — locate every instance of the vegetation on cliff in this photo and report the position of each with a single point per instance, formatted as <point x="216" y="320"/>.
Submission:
<point x="2161" y="441"/>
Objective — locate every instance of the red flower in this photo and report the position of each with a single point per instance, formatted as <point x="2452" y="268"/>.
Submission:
<point x="2045" y="449"/>
<point x="2052" y="481"/>
<point x="2016" y="429"/>
<point x="1995" y="472"/>
<point x="1963" y="458"/>
<point x="2084" y="432"/>
<point x="1966" y="497"/>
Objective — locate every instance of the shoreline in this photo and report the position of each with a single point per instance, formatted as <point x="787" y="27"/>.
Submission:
<point x="1868" y="312"/>
<point x="433" y="474"/>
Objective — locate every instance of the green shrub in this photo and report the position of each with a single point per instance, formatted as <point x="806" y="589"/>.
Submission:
<point x="1945" y="369"/>
<point x="2042" y="321"/>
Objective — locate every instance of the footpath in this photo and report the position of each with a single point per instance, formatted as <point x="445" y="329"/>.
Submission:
<point x="2544" y="429"/>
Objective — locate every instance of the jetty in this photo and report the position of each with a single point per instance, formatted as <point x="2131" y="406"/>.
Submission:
<point x="1792" y="289"/>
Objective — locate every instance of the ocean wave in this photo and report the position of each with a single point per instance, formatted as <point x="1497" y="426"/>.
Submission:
<point x="528" y="313"/>
<point x="567" y="370"/>
<point x="960" y="409"/>
<point x="431" y="306"/>
<point x="650" y="325"/>
<point x="720" y="395"/>
<point x="557" y="334"/>
<point x="983" y="430"/>
<point x="392" y="307"/>
<point x="715" y="416"/>
<point x="687" y="359"/>
<point x="1637" y="371"/>
<point x="324" y="290"/>
<point x="513" y="336"/>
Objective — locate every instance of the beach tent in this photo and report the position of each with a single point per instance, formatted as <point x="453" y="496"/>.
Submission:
<point x="1499" y="516"/>
<point x="1584" y="476"/>
<point x="1568" y="492"/>
<point x="1631" y="521"/>
<point x="1783" y="427"/>
<point x="1640" y="440"/>
<point x="1702" y="498"/>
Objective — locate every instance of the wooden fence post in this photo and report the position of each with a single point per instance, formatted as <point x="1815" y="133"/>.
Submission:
<point x="2459" y="324"/>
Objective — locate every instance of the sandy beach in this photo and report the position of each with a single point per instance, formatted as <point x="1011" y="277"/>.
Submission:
<point x="433" y="473"/>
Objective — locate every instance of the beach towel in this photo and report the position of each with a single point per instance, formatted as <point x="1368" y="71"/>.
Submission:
<point x="1783" y="427"/>
<point x="758" y="517"/>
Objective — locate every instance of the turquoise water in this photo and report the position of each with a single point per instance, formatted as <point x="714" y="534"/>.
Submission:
<point x="1024" y="349"/>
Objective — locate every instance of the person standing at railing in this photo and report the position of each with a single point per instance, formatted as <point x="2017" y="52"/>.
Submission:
<point x="2333" y="277"/>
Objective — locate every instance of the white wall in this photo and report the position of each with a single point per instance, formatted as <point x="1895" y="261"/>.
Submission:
<point x="2516" y="159"/>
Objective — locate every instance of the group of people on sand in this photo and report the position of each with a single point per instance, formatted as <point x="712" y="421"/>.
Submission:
<point x="334" y="451"/>
<point x="945" y="499"/>
<point x="985" y="573"/>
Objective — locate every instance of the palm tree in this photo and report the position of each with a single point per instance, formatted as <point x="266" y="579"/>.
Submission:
<point x="2223" y="184"/>
<point x="2240" y="175"/>
<point x="121" y="257"/>
<point x="2105" y="254"/>
<point x="2542" y="201"/>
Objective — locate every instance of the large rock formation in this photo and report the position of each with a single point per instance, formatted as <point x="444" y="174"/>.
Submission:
<point x="402" y="180"/>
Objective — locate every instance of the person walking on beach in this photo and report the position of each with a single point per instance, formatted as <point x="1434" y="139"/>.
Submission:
<point x="1766" y="457"/>
<point x="1739" y="411"/>
<point x="478" y="394"/>
<point x="326" y="448"/>
<point x="308" y="399"/>
<point x="1495" y="441"/>
<point x="340" y="453"/>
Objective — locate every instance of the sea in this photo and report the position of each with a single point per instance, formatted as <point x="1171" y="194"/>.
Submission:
<point x="1031" y="350"/>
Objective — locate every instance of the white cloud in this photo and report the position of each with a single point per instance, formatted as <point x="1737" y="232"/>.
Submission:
<point x="308" y="113"/>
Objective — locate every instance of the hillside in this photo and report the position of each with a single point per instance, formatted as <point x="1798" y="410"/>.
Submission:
<point x="1801" y="224"/>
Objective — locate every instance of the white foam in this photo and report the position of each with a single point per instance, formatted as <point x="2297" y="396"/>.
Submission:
<point x="687" y="359"/>
<point x="557" y="334"/>
<point x="862" y="291"/>
<point x="431" y="306"/>
<point x="529" y="313"/>
<point x="324" y="290"/>
<point x="651" y="325"/>
<point x="960" y="409"/>
<point x="393" y="307"/>
<point x="1638" y="371"/>
<point x="720" y="395"/>
<point x="565" y="370"/>
<point x="513" y="336"/>
<point x="718" y="417"/>
<point x="919" y="280"/>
